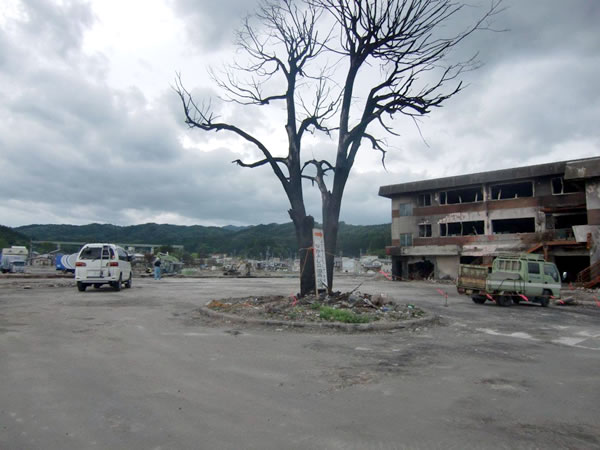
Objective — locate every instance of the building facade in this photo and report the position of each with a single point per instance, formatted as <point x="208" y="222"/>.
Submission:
<point x="552" y="209"/>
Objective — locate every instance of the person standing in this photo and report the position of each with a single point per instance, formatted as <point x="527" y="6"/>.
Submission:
<point x="157" y="268"/>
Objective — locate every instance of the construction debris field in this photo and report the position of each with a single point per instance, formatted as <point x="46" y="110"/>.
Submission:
<point x="141" y="369"/>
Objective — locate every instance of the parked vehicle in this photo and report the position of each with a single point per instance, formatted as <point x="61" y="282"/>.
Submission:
<point x="99" y="264"/>
<point x="512" y="278"/>
<point x="66" y="263"/>
<point x="12" y="259"/>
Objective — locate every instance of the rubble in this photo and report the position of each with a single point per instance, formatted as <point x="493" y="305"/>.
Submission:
<point x="348" y="307"/>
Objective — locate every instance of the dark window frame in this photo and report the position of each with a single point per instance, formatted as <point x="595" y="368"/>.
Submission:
<point x="425" y="230"/>
<point x="424" y="200"/>
<point x="405" y="209"/>
<point x="535" y="266"/>
<point x="566" y="186"/>
<point x="467" y="191"/>
<point x="497" y="190"/>
<point x="406" y="240"/>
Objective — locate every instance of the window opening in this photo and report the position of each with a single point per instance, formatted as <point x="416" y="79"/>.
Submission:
<point x="510" y="226"/>
<point x="467" y="195"/>
<point x="425" y="230"/>
<point x="405" y="209"/>
<point x="562" y="186"/>
<point x="406" y="239"/>
<point x="512" y="190"/>
<point x="424" y="200"/>
<point x="569" y="220"/>
<point x="473" y="227"/>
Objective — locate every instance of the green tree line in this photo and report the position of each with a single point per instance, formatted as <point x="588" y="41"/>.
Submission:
<point x="259" y="241"/>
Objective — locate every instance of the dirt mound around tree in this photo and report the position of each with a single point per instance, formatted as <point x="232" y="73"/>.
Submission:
<point x="348" y="308"/>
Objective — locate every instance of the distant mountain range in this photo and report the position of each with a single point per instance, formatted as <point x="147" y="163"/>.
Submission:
<point x="256" y="241"/>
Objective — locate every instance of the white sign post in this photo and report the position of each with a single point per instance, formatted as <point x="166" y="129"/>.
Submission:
<point x="320" y="263"/>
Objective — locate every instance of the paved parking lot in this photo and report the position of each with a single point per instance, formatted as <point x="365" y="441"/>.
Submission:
<point x="138" y="369"/>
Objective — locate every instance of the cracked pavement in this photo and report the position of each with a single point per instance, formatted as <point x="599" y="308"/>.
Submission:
<point x="139" y="369"/>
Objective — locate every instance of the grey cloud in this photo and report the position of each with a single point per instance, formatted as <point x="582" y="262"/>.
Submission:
<point x="211" y="25"/>
<point x="75" y="147"/>
<point x="56" y="27"/>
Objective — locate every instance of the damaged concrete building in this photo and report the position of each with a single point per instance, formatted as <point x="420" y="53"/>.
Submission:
<point x="552" y="209"/>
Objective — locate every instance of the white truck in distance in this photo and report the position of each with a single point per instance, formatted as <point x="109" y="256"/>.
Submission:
<point x="13" y="259"/>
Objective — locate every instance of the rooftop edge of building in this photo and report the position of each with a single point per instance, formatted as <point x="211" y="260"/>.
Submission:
<point x="571" y="169"/>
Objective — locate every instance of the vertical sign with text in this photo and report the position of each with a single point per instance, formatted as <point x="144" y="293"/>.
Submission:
<point x="320" y="264"/>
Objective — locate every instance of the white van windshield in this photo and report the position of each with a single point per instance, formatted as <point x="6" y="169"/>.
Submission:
<point x="96" y="252"/>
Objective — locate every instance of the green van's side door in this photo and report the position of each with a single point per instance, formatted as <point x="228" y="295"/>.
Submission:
<point x="535" y="282"/>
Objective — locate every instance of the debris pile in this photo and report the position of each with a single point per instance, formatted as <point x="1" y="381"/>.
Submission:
<point x="349" y="307"/>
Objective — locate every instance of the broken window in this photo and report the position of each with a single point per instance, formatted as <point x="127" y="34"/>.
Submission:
<point x="569" y="220"/>
<point x="562" y="186"/>
<point x="406" y="239"/>
<point x="424" y="200"/>
<point x="509" y="226"/>
<point x="405" y="209"/>
<point x="462" y="228"/>
<point x="425" y="230"/>
<point x="512" y="190"/>
<point x="466" y="195"/>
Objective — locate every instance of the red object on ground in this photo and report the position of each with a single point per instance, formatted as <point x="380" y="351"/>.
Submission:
<point x="385" y="275"/>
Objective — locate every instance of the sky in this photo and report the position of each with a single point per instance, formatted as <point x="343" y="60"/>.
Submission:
<point x="91" y="130"/>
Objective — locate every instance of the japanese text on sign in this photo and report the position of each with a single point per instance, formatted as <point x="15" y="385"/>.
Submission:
<point x="320" y="264"/>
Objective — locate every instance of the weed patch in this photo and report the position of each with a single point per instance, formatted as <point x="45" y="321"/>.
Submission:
<point x="341" y="315"/>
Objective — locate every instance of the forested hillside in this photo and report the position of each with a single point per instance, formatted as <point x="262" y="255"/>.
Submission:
<point x="253" y="241"/>
<point x="9" y="237"/>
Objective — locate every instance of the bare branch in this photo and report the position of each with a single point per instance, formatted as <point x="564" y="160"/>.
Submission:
<point x="322" y="167"/>
<point x="376" y="143"/>
<point x="201" y="117"/>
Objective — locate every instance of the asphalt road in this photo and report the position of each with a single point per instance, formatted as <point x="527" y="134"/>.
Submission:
<point x="138" y="369"/>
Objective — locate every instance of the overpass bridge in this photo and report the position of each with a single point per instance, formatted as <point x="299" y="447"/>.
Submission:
<point x="136" y="247"/>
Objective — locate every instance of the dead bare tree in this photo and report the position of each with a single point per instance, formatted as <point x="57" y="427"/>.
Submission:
<point x="289" y="49"/>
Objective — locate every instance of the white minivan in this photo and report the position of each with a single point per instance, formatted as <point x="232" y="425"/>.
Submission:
<point x="99" y="264"/>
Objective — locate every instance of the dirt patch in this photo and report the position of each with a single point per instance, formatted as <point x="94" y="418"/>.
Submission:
<point x="339" y="307"/>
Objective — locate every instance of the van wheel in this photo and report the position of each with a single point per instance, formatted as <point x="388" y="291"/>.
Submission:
<point x="128" y="282"/>
<point x="81" y="286"/>
<point x="117" y="284"/>
<point x="479" y="299"/>
<point x="504" y="300"/>
<point x="545" y="300"/>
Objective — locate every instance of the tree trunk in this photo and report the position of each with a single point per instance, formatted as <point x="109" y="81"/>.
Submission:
<point x="304" y="225"/>
<point x="331" y="217"/>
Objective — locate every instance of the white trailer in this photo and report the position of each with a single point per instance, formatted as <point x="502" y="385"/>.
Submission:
<point x="13" y="259"/>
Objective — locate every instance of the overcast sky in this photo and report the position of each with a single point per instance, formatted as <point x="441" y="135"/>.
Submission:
<point x="91" y="131"/>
